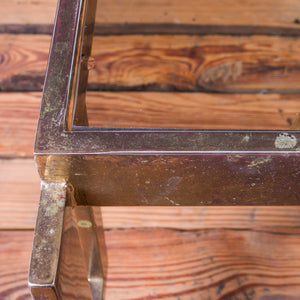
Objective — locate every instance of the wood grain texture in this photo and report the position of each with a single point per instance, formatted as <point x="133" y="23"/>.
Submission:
<point x="23" y="61"/>
<point x="18" y="119"/>
<point x="15" y="247"/>
<point x="190" y="218"/>
<point x="161" y="253"/>
<point x="28" y="12"/>
<point x="19" y="193"/>
<point x="163" y="63"/>
<point x="163" y="263"/>
<point x="296" y="123"/>
<point x="274" y="13"/>
<point x="202" y="264"/>
<point x="191" y="110"/>
<point x="192" y="63"/>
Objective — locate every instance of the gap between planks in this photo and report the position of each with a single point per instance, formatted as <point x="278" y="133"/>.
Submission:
<point x="267" y="13"/>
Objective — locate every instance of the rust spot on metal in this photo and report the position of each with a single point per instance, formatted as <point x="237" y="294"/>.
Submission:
<point x="246" y="139"/>
<point x="84" y="224"/>
<point x="234" y="158"/>
<point x="285" y="140"/>
<point x="258" y="162"/>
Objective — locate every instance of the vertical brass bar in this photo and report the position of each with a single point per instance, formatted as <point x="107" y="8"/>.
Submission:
<point x="47" y="241"/>
<point x="66" y="251"/>
<point x="76" y="61"/>
<point x="80" y="115"/>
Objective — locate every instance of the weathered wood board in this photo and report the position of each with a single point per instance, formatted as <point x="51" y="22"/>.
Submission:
<point x="212" y="63"/>
<point x="198" y="264"/>
<point x="238" y="61"/>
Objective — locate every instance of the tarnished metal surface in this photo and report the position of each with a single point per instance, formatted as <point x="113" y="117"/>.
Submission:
<point x="67" y="153"/>
<point x="89" y="243"/>
<point x="47" y="239"/>
<point x="72" y="269"/>
<point x="104" y="166"/>
<point x="65" y="237"/>
<point x="58" y="238"/>
<point x="231" y="179"/>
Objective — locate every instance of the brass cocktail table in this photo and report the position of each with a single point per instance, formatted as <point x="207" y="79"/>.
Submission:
<point x="76" y="163"/>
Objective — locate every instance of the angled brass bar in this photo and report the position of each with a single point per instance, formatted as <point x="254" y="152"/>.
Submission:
<point x="87" y="231"/>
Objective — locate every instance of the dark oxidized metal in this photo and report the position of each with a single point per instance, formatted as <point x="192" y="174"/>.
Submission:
<point x="82" y="166"/>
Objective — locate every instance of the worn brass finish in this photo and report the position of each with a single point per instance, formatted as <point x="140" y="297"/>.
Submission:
<point x="59" y="232"/>
<point x="82" y="167"/>
<point x="47" y="239"/>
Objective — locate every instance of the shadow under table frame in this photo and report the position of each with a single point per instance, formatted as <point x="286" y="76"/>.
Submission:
<point x="82" y="166"/>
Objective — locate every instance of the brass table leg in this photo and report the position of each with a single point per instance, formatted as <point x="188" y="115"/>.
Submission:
<point x="65" y="261"/>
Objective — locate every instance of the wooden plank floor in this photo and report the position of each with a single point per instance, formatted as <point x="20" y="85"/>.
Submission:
<point x="250" y="48"/>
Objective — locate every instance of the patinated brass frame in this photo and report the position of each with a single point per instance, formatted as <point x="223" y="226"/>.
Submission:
<point x="81" y="166"/>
